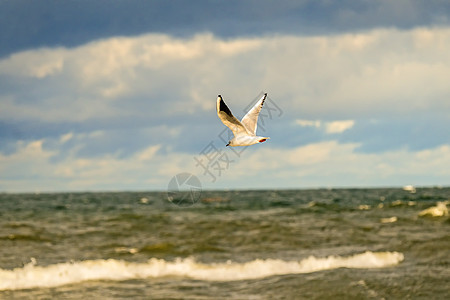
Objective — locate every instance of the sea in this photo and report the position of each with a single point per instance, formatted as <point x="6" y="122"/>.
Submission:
<point x="377" y="243"/>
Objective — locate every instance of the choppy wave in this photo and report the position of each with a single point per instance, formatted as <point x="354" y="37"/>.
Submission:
<point x="33" y="276"/>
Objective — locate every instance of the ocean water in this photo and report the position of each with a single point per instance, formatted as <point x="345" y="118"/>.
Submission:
<point x="287" y="244"/>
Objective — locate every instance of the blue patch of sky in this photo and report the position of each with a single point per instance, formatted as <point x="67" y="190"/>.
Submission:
<point x="413" y="134"/>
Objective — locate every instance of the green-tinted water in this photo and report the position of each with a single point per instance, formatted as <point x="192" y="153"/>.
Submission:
<point x="247" y="244"/>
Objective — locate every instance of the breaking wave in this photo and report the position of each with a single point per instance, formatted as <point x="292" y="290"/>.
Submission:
<point x="34" y="276"/>
<point x="436" y="211"/>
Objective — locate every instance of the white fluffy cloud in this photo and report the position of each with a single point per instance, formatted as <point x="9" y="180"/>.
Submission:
<point x="329" y="127"/>
<point x="376" y="72"/>
<point x="326" y="82"/>
<point x="320" y="164"/>
<point x="339" y="126"/>
<point x="329" y="163"/>
<point x="32" y="169"/>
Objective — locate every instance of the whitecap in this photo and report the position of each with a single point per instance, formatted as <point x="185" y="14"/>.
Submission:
<point x="364" y="207"/>
<point x="388" y="220"/>
<point x="33" y="276"/>
<point x="439" y="210"/>
<point x="409" y="188"/>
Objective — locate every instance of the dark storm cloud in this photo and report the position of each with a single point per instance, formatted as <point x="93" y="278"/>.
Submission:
<point x="32" y="24"/>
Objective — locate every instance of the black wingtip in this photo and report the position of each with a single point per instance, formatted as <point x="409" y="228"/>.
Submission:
<point x="224" y="108"/>
<point x="264" y="98"/>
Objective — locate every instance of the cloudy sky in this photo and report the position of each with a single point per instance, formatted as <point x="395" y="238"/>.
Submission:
<point x="120" y="95"/>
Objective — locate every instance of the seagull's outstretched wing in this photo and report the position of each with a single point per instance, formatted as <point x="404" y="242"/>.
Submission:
<point x="250" y="120"/>
<point x="228" y="119"/>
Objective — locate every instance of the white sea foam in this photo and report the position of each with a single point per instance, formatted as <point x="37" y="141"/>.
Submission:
<point x="364" y="207"/>
<point x="33" y="276"/>
<point x="409" y="188"/>
<point x="436" y="211"/>
<point x="389" y="220"/>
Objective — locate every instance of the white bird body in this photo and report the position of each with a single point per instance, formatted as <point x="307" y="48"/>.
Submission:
<point x="244" y="131"/>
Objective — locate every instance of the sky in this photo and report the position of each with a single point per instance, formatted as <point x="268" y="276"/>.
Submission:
<point x="120" y="95"/>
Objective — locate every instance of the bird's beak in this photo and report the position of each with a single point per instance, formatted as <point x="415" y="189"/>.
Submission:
<point x="227" y="145"/>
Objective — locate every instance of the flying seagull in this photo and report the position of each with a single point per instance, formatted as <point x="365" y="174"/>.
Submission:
<point x="245" y="130"/>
